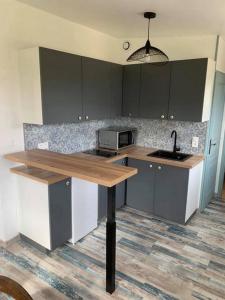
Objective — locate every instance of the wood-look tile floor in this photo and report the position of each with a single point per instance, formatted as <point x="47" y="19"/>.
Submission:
<point x="155" y="260"/>
<point x="223" y="192"/>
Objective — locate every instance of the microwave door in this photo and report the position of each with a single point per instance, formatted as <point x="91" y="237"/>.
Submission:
<point x="125" y="139"/>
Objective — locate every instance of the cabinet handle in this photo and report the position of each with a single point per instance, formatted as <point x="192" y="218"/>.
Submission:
<point x="150" y="166"/>
<point x="79" y="118"/>
<point x="162" y="117"/>
<point x="159" y="168"/>
<point x="67" y="183"/>
<point x="86" y="118"/>
<point x="171" y="117"/>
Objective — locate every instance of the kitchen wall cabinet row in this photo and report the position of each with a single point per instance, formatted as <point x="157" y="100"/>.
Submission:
<point x="171" y="193"/>
<point x="58" y="87"/>
<point x="179" y="90"/>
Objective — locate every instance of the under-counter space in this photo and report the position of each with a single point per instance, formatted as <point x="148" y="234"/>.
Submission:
<point x="38" y="174"/>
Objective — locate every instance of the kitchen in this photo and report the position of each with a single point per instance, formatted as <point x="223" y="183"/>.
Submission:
<point x="112" y="100"/>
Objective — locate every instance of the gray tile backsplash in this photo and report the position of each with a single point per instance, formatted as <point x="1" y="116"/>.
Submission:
<point x="69" y="138"/>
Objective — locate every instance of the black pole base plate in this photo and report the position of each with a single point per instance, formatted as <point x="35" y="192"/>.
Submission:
<point x="149" y="15"/>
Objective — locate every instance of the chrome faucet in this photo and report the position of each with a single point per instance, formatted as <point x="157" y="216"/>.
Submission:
<point x="175" y="148"/>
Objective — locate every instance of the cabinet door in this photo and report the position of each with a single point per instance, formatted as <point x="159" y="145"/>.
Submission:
<point x="102" y="195"/>
<point x="140" y="188"/>
<point x="96" y="88"/>
<point x="60" y="86"/>
<point x="171" y="185"/>
<point x="131" y="90"/>
<point x="155" y="89"/>
<point x="116" y="84"/>
<point x="188" y="79"/>
<point x="60" y="212"/>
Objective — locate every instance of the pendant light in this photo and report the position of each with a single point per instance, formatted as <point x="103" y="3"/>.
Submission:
<point x="148" y="53"/>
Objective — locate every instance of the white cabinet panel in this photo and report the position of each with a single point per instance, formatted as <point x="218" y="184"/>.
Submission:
<point x="34" y="211"/>
<point x="84" y="208"/>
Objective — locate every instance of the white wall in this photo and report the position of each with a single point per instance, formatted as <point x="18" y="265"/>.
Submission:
<point x="220" y="63"/>
<point x="176" y="47"/>
<point x="23" y="27"/>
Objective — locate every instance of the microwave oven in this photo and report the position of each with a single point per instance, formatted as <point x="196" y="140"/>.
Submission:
<point x="116" y="138"/>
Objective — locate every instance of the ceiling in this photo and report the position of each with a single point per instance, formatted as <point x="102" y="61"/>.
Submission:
<point x="124" y="18"/>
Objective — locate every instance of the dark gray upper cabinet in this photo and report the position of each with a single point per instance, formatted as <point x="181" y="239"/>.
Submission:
<point x="60" y="86"/>
<point x="116" y="84"/>
<point x="179" y="90"/>
<point x="140" y="188"/>
<point x="171" y="187"/>
<point x="131" y="90"/>
<point x="155" y="88"/>
<point x="188" y="80"/>
<point x="96" y="88"/>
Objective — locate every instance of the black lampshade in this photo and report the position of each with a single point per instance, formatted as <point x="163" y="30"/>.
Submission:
<point x="148" y="53"/>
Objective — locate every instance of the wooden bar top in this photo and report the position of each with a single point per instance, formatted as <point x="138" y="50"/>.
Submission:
<point x="37" y="174"/>
<point x="98" y="172"/>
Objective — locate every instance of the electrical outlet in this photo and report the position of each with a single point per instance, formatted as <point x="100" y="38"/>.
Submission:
<point x="43" y="146"/>
<point x="195" y="141"/>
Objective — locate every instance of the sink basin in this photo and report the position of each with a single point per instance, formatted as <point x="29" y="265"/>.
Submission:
<point x="170" y="155"/>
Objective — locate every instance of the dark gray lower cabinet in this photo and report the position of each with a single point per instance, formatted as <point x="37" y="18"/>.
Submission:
<point x="60" y="216"/>
<point x="140" y="188"/>
<point x="158" y="189"/>
<point x="102" y="195"/>
<point x="171" y="186"/>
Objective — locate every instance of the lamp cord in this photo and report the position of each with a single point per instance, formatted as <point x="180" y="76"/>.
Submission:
<point x="148" y="27"/>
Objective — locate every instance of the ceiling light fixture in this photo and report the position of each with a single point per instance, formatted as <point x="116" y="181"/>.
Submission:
<point x="148" y="53"/>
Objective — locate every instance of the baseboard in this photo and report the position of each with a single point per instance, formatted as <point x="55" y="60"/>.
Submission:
<point x="9" y="242"/>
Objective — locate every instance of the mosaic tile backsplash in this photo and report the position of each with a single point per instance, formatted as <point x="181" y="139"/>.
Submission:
<point x="69" y="138"/>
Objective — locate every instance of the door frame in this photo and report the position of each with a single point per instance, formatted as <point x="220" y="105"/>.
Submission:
<point x="208" y="137"/>
<point x="221" y="161"/>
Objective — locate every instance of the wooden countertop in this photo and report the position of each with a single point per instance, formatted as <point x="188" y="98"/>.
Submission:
<point x="138" y="152"/>
<point x="98" y="172"/>
<point x="37" y="174"/>
<point x="92" y="168"/>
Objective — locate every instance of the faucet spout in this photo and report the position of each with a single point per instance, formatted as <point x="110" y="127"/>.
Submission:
<point x="175" y="148"/>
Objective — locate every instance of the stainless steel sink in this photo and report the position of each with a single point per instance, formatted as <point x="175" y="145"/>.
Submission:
<point x="170" y="155"/>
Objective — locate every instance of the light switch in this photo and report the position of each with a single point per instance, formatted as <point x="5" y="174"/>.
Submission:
<point x="43" y="146"/>
<point x="195" y="141"/>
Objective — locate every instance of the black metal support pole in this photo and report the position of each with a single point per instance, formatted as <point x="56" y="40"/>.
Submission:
<point x="111" y="240"/>
<point x="125" y="194"/>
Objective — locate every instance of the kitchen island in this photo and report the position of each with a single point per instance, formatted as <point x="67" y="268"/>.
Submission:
<point x="102" y="171"/>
